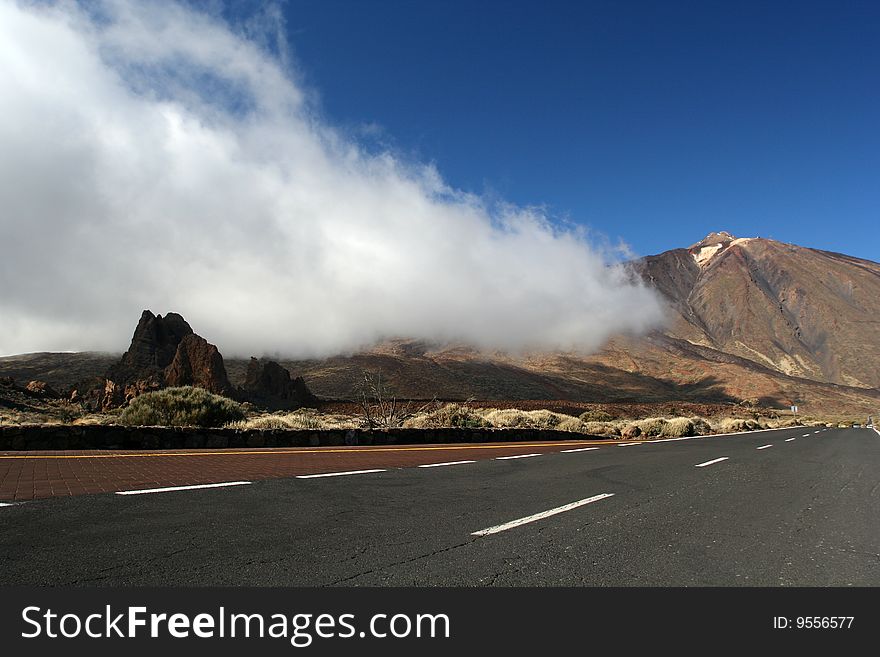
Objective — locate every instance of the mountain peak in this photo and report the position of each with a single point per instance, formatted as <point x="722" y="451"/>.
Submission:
<point x="712" y="245"/>
<point x="721" y="237"/>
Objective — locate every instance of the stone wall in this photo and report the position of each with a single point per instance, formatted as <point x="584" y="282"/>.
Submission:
<point x="49" y="437"/>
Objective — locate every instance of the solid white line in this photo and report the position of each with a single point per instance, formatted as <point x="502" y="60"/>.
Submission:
<point x="176" y="488"/>
<point x="440" y="465"/>
<point x="703" y="465"/>
<point x="337" y="474"/>
<point x="765" y="446"/>
<point x="582" y="449"/>
<point x="788" y="440"/>
<point x="518" y="456"/>
<point x="540" y="516"/>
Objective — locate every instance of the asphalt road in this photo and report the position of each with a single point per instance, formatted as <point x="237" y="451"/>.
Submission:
<point x="804" y="511"/>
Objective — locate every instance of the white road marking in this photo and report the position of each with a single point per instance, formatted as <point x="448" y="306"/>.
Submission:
<point x="518" y="456"/>
<point x="629" y="444"/>
<point x="806" y="435"/>
<point x="582" y="449"/>
<point x="337" y="474"/>
<point x="764" y="446"/>
<point x="5" y="504"/>
<point x="440" y="465"/>
<point x="815" y="432"/>
<point x="177" y="488"/>
<point x="703" y="465"/>
<point x="788" y="440"/>
<point x="540" y="516"/>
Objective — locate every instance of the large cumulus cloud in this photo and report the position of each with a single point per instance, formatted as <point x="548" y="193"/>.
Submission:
<point x="151" y="156"/>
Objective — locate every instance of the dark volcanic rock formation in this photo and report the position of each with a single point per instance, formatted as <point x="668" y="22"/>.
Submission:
<point x="164" y="352"/>
<point x="155" y="340"/>
<point x="269" y="385"/>
<point x="198" y="363"/>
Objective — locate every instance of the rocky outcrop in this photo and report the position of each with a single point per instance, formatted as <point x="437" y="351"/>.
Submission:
<point x="269" y="385"/>
<point x="198" y="363"/>
<point x="164" y="352"/>
<point x="41" y="389"/>
<point x="155" y="341"/>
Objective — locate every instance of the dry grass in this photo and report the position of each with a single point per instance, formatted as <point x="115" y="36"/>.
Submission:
<point x="301" y="419"/>
<point x="677" y="427"/>
<point x="735" y="425"/>
<point x="652" y="426"/>
<point x="602" y="428"/>
<point x="448" y="415"/>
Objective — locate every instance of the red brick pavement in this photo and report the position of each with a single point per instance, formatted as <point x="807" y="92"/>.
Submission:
<point x="34" y="475"/>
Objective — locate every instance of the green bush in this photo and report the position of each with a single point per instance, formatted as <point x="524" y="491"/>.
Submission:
<point x="596" y="415"/>
<point x="181" y="407"/>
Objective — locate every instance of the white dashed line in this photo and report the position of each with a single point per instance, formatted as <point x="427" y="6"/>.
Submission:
<point x="629" y="444"/>
<point x="5" y="504"/>
<point x="540" y="516"/>
<point x="337" y="474"/>
<point x="806" y="435"/>
<point x="764" y="446"/>
<point x="518" y="456"/>
<point x="440" y="465"/>
<point x="703" y="465"/>
<point x="172" y="489"/>
<point x="582" y="449"/>
<point x="788" y="440"/>
<point x="815" y="432"/>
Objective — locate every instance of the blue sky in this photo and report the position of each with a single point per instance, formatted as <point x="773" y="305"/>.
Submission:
<point x="654" y="122"/>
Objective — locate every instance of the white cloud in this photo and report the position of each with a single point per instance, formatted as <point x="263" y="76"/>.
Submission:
<point x="152" y="157"/>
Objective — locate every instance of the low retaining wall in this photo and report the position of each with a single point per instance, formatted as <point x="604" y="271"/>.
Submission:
<point x="30" y="438"/>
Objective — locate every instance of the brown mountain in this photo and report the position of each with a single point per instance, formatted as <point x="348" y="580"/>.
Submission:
<point x="750" y="321"/>
<point x="807" y="313"/>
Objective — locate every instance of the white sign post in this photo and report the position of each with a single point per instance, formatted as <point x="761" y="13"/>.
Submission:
<point x="794" y="410"/>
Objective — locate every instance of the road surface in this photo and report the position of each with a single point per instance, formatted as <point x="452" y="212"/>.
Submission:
<point x="787" y="507"/>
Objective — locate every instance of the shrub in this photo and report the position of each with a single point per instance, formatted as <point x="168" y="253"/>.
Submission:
<point x="653" y="426"/>
<point x="572" y="424"/>
<point x="678" y="427"/>
<point x="449" y="415"/>
<point x="181" y="407"/>
<point x="596" y="416"/>
<point x="734" y="425"/>
<point x="701" y="426"/>
<point x="515" y="418"/>
<point x="602" y="428"/>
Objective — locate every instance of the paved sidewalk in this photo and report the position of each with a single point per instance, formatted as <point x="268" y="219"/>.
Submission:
<point x="33" y="475"/>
